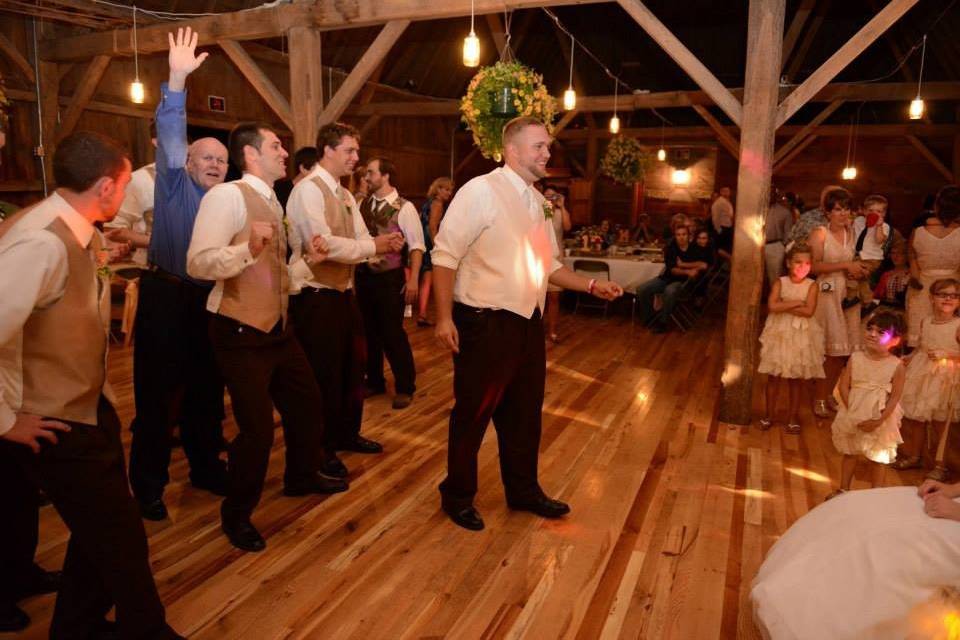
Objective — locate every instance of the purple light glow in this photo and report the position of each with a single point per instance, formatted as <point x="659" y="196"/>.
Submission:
<point x="886" y="337"/>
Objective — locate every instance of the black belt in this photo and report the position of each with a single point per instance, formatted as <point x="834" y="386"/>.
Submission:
<point x="165" y="275"/>
<point x="459" y="306"/>
<point x="323" y="291"/>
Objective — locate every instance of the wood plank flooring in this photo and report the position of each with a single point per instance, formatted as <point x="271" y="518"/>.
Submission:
<point x="672" y="513"/>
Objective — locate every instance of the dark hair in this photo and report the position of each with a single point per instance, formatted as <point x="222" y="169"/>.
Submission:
<point x="943" y="283"/>
<point x="948" y="204"/>
<point x="331" y="134"/>
<point x="245" y="134"/>
<point x="305" y="157"/>
<point x="386" y="167"/>
<point x="556" y="188"/>
<point x="888" y="321"/>
<point x="84" y="157"/>
<point x="928" y="201"/>
<point x="797" y="248"/>
<point x="836" y="197"/>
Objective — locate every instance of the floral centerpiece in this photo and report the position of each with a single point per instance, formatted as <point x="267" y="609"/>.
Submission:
<point x="626" y="161"/>
<point x="499" y="93"/>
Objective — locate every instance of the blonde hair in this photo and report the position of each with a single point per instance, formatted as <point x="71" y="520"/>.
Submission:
<point x="438" y="184"/>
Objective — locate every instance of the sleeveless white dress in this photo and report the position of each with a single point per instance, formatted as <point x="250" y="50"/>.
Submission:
<point x="791" y="346"/>
<point x="841" y="327"/>
<point x="929" y="383"/>
<point x="871" y="381"/>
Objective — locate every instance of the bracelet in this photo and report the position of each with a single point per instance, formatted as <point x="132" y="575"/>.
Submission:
<point x="591" y="285"/>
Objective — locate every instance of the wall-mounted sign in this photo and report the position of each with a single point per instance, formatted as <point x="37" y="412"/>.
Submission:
<point x="217" y="103"/>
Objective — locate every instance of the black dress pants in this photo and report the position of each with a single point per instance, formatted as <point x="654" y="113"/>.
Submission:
<point x="107" y="561"/>
<point x="499" y="373"/>
<point x="19" y="535"/>
<point x="175" y="379"/>
<point x="380" y="296"/>
<point x="329" y="326"/>
<point x="263" y="370"/>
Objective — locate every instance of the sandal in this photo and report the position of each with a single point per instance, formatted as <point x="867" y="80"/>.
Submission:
<point x="832" y="404"/>
<point x="765" y="423"/>
<point x="834" y="494"/>
<point x="820" y="409"/>
<point x="911" y="462"/>
<point x="793" y="429"/>
<point x="939" y="474"/>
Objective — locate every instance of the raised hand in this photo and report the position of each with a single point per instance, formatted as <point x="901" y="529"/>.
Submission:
<point x="260" y="234"/>
<point x="30" y="430"/>
<point x="182" y="59"/>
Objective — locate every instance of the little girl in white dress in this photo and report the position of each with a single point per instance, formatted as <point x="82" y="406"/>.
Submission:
<point x="868" y="421"/>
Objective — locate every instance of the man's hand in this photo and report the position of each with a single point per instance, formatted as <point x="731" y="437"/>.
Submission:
<point x="118" y="250"/>
<point x="260" y="234"/>
<point x="29" y="430"/>
<point x="182" y="59"/>
<point x="869" y="426"/>
<point x="607" y="290"/>
<point x="120" y="234"/>
<point x="447" y="334"/>
<point x="389" y="242"/>
<point x="411" y="291"/>
<point x="316" y="250"/>
<point x="938" y="505"/>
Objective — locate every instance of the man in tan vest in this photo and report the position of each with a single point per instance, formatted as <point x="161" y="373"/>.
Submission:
<point x="325" y="311"/>
<point x="489" y="314"/>
<point x="58" y="428"/>
<point x="239" y="241"/>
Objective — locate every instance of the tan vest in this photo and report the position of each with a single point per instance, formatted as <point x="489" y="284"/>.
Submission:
<point x="258" y="295"/>
<point x="64" y="350"/>
<point x="335" y="275"/>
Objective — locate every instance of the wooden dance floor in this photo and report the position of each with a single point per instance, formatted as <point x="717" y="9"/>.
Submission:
<point x="672" y="514"/>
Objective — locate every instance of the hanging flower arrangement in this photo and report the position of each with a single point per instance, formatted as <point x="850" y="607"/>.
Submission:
<point x="626" y="161"/>
<point x="499" y="93"/>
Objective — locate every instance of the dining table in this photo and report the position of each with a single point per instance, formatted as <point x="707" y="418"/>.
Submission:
<point x="629" y="271"/>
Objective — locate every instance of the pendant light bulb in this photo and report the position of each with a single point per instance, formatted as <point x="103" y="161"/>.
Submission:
<point x="916" y="105"/>
<point x="570" y="99"/>
<point x="916" y="108"/>
<point x="471" y="50"/>
<point x="614" y="125"/>
<point x="137" y="93"/>
<point x="136" y="87"/>
<point x="662" y="154"/>
<point x="849" y="173"/>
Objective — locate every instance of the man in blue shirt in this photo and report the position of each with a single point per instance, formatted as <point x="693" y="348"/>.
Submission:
<point x="175" y="375"/>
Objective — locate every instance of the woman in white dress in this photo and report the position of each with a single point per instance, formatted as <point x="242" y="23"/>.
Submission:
<point x="862" y="565"/>
<point x="833" y="262"/>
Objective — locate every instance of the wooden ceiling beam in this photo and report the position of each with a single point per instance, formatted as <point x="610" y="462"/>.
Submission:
<point x="261" y="83"/>
<point x="727" y="139"/>
<point x="368" y="62"/>
<point x="685" y="59"/>
<point x="824" y="131"/>
<point x="497" y="32"/>
<point x="783" y="162"/>
<point x="11" y="51"/>
<point x="81" y="97"/>
<point x="807" y="42"/>
<point x="844" y="56"/>
<point x="269" y="22"/>
<point x="806" y="131"/>
<point x="565" y="120"/>
<point x="796" y="27"/>
<point x="930" y="157"/>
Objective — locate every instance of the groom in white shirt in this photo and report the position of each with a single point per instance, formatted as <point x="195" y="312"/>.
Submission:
<point x="492" y="259"/>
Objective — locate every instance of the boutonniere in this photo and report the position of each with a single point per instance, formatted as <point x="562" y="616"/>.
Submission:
<point x="103" y="264"/>
<point x="547" y="211"/>
<point x="286" y="225"/>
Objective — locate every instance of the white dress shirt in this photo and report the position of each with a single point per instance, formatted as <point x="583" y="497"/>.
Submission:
<point x="305" y="211"/>
<point x="721" y="212"/>
<point x="472" y="213"/>
<point x="222" y="215"/>
<point x="408" y="220"/>
<point x="137" y="201"/>
<point x="33" y="275"/>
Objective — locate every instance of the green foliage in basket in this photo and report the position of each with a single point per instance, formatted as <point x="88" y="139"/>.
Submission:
<point x="626" y="161"/>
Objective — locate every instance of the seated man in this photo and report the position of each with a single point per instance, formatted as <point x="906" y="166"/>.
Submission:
<point x="681" y="263"/>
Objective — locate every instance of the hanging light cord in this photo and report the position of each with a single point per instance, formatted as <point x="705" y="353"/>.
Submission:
<point x="136" y="60"/>
<point x="471" y="16"/>
<point x="923" y="56"/>
<point x="573" y="44"/>
<point x="615" y="88"/>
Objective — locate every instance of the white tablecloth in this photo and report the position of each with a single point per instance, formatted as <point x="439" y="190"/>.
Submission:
<point x="629" y="274"/>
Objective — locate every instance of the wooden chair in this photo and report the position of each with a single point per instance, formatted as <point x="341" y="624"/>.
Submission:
<point x="591" y="269"/>
<point x="124" y="297"/>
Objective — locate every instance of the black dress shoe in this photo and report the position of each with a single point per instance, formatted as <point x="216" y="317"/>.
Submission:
<point x="402" y="400"/>
<point x="544" y="507"/>
<point x="361" y="445"/>
<point x="40" y="582"/>
<point x="321" y="484"/>
<point x="243" y="535"/>
<point x="466" y="517"/>
<point x="153" y="510"/>
<point x="369" y="392"/>
<point x="333" y="466"/>
<point x="13" y="618"/>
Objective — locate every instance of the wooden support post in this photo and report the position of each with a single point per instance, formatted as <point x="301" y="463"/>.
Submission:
<point x="805" y="131"/>
<point x="368" y="62"/>
<point x="844" y="56"/>
<point x="930" y="157"/>
<point x="683" y="57"/>
<point x="11" y="51"/>
<point x="306" y="84"/>
<point x="262" y="84"/>
<point x="49" y="79"/>
<point x="91" y="78"/>
<point x="727" y="139"/>
<point x="764" y="47"/>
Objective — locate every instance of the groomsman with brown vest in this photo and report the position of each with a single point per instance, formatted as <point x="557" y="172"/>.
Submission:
<point x="58" y="428"/>
<point x="492" y="260"/>
<point x="325" y="311"/>
<point x="239" y="240"/>
<point x="383" y="287"/>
